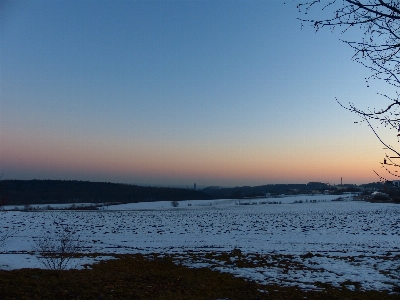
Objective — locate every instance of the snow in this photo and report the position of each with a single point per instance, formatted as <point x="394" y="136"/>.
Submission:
<point x="46" y="206"/>
<point x="296" y="242"/>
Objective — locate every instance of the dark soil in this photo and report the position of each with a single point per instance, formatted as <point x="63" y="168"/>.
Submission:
<point x="139" y="277"/>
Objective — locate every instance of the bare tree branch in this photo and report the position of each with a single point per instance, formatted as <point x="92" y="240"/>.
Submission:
<point x="378" y="49"/>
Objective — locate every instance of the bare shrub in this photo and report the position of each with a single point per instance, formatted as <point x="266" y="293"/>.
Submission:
<point x="55" y="249"/>
<point x="174" y="203"/>
<point x="27" y="207"/>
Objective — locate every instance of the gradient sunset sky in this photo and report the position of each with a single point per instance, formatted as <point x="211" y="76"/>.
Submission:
<point x="177" y="92"/>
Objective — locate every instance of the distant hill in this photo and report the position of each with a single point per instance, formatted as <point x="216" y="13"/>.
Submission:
<point x="373" y="185"/>
<point x="20" y="192"/>
<point x="258" y="191"/>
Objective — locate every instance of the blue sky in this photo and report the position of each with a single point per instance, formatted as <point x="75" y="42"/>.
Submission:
<point x="177" y="92"/>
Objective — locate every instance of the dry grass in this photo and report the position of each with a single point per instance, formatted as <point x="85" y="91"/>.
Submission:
<point x="139" y="277"/>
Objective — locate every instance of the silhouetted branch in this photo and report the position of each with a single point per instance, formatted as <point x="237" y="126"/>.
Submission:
<point x="379" y="21"/>
<point x="378" y="49"/>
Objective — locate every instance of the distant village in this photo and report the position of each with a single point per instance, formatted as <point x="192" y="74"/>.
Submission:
<point x="373" y="192"/>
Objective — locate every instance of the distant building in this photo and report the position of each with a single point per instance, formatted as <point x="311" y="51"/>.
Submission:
<point x="396" y="183"/>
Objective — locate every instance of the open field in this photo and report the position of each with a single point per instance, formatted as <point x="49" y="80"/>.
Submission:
<point x="310" y="245"/>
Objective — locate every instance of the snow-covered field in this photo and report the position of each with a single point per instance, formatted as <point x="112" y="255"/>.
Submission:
<point x="349" y="243"/>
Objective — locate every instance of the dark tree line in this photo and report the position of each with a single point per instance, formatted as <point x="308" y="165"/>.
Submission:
<point x="21" y="192"/>
<point x="70" y="191"/>
<point x="262" y="190"/>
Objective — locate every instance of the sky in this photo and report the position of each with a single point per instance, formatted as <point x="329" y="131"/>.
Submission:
<point x="169" y="93"/>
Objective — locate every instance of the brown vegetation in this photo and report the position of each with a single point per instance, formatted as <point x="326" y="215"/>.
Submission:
<point x="153" y="277"/>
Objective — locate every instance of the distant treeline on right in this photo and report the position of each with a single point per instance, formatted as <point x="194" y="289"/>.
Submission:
<point x="287" y="189"/>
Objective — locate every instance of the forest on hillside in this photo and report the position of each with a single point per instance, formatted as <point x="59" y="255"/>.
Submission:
<point x="19" y="192"/>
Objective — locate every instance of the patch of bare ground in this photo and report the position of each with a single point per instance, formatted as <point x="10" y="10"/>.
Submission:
<point x="155" y="277"/>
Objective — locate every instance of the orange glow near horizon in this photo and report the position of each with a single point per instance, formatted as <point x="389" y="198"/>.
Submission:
<point x="145" y="162"/>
